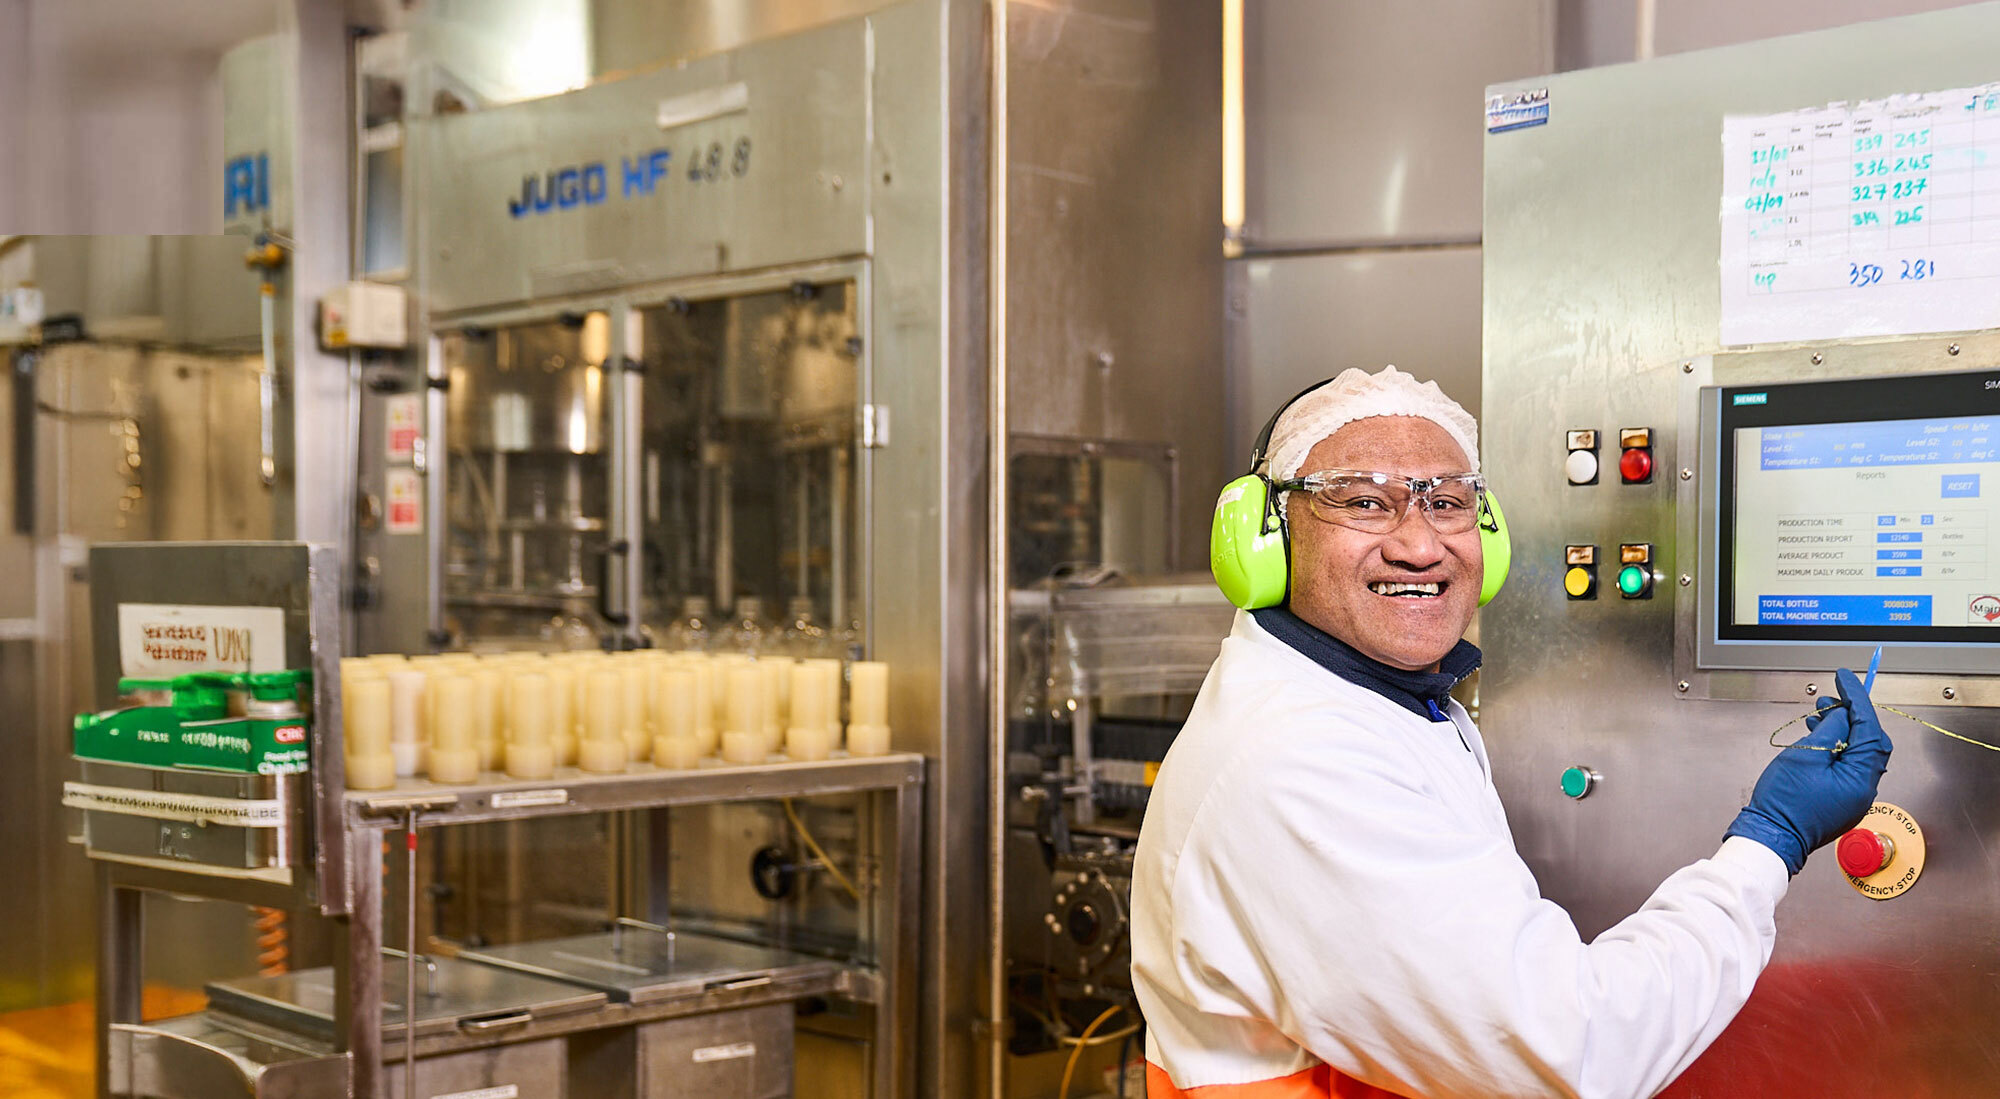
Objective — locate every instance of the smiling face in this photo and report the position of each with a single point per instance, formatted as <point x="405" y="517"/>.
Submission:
<point x="1403" y="598"/>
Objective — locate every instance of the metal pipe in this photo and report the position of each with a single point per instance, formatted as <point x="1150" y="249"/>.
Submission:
<point x="410" y="953"/>
<point x="267" y="322"/>
<point x="836" y="615"/>
<point x="802" y="464"/>
<point x="996" y="557"/>
<point x="435" y="456"/>
<point x="625" y="327"/>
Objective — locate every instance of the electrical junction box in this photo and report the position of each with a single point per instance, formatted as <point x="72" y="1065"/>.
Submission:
<point x="364" y="314"/>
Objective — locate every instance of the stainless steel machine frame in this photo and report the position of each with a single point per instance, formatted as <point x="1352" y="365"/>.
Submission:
<point x="1601" y="311"/>
<point x="865" y="163"/>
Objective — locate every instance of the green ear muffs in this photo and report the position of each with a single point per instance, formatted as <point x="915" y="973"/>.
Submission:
<point x="1251" y="558"/>
<point x="1246" y="544"/>
<point x="1495" y="547"/>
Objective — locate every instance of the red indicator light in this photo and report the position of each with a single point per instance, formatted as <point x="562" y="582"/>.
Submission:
<point x="1636" y="465"/>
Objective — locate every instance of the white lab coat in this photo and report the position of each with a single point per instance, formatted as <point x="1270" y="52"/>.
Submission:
<point x="1324" y="876"/>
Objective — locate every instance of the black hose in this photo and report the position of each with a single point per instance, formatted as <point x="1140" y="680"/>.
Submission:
<point x="1124" y="1050"/>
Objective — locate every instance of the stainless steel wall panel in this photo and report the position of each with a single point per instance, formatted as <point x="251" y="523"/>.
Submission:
<point x="802" y="194"/>
<point x="1114" y="235"/>
<point x="1601" y="280"/>
<point x="1298" y="319"/>
<point x="1362" y="121"/>
<point x="631" y="34"/>
<point x="239" y="503"/>
<point x="1686" y="25"/>
<point x="209" y="300"/>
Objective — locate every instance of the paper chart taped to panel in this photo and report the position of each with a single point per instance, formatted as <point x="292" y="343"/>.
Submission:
<point x="1872" y="218"/>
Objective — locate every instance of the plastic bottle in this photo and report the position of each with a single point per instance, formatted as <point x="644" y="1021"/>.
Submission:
<point x="801" y="637"/>
<point x="690" y="632"/>
<point x="746" y="633"/>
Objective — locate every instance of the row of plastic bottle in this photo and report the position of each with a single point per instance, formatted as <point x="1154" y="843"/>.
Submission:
<point x="455" y="716"/>
<point x="698" y="630"/>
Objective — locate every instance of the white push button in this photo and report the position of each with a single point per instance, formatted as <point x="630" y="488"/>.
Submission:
<point x="1581" y="467"/>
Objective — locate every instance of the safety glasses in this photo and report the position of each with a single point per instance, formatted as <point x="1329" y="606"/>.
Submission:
<point x="1377" y="503"/>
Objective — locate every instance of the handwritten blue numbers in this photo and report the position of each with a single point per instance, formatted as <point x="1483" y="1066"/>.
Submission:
<point x="1870" y="274"/>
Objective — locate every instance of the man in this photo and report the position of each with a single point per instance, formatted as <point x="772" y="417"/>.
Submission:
<point x="1326" y="899"/>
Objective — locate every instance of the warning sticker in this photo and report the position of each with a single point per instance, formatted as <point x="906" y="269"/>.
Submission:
<point x="405" y="425"/>
<point x="405" y="511"/>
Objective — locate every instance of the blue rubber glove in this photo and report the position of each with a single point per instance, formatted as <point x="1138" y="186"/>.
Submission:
<point x="1806" y="799"/>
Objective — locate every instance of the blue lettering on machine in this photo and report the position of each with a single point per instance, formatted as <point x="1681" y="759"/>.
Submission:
<point x="246" y="184"/>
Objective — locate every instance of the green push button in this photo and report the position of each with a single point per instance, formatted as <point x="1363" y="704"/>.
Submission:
<point x="1633" y="581"/>
<point x="1576" y="782"/>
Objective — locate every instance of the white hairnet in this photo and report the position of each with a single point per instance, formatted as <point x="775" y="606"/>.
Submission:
<point x="1358" y="395"/>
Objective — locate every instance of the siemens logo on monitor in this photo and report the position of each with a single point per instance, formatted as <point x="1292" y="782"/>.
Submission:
<point x="1750" y="398"/>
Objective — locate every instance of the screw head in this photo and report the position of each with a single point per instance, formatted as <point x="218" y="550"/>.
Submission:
<point x="1952" y="350"/>
<point x="1812" y="688"/>
<point x="1686" y="580"/>
<point x="1951" y="692"/>
<point x="1682" y="686"/>
<point x="1818" y="358"/>
<point x="1687" y="368"/>
<point x="1687" y="475"/>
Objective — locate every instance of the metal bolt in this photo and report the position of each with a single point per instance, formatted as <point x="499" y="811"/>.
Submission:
<point x="1687" y="368"/>
<point x="1812" y="688"/>
<point x="1950" y="692"/>
<point x="1818" y="358"/>
<point x="1952" y="350"/>
<point x="1687" y="475"/>
<point x="1682" y="686"/>
<point x="1686" y="580"/>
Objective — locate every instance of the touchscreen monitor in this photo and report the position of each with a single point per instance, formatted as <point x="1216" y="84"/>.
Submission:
<point x="1859" y="510"/>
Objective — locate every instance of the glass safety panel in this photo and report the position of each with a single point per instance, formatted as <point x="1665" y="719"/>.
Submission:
<point x="528" y="482"/>
<point x="749" y="471"/>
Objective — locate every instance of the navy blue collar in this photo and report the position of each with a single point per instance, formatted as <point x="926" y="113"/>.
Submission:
<point x="1422" y="693"/>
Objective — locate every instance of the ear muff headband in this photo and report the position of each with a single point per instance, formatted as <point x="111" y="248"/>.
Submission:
<point x="1249" y="551"/>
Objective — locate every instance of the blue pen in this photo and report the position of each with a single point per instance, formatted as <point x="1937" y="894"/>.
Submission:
<point x="1874" y="662"/>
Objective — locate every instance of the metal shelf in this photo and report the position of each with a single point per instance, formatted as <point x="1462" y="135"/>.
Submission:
<point x="498" y="797"/>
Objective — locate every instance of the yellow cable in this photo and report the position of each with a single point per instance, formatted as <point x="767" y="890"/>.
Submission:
<point x="1102" y="1039"/>
<point x="1083" y="1041"/>
<point x="818" y="852"/>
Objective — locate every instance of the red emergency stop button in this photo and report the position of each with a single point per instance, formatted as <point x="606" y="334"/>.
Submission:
<point x="1863" y="852"/>
<point x="1636" y="465"/>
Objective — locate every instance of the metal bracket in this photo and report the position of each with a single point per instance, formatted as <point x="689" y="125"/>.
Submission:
<point x="395" y="805"/>
<point x="874" y="426"/>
